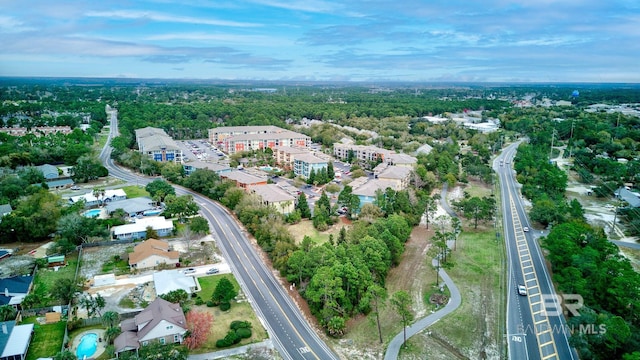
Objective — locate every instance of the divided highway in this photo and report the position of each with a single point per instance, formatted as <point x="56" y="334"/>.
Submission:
<point x="534" y="330"/>
<point x="292" y="335"/>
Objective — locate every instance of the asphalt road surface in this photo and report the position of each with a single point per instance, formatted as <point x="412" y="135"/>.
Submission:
<point x="291" y="333"/>
<point x="536" y="328"/>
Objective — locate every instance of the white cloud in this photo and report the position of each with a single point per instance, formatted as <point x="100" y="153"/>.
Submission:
<point x="10" y="24"/>
<point x="160" y="17"/>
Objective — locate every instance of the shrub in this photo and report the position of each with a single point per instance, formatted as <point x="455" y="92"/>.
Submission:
<point x="230" y="339"/>
<point x="199" y="301"/>
<point x="238" y="324"/>
<point x="210" y="303"/>
<point x="243" y="333"/>
<point x="225" y="306"/>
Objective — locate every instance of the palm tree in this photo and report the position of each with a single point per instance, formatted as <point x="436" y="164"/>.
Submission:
<point x="111" y="334"/>
<point x="110" y="318"/>
<point x="7" y="312"/>
<point x="98" y="193"/>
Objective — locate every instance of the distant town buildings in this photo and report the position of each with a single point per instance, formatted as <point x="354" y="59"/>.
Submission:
<point x="37" y="131"/>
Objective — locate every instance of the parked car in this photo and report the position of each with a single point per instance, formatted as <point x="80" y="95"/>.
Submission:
<point x="190" y="271"/>
<point x="213" y="271"/>
<point x="75" y="187"/>
<point x="522" y="290"/>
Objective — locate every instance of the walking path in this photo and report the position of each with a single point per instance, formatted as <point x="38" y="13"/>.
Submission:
<point x="454" y="301"/>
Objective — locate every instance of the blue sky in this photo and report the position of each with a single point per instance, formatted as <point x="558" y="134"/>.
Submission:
<point x="324" y="40"/>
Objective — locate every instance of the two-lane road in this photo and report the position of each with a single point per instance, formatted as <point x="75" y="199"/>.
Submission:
<point x="291" y="333"/>
<point x="534" y="330"/>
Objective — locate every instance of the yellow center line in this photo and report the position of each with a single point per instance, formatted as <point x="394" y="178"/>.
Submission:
<point x="526" y="253"/>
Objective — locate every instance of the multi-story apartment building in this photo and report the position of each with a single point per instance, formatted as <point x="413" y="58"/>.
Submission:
<point x="304" y="163"/>
<point x="156" y="144"/>
<point x="285" y="155"/>
<point x="246" y="138"/>
<point x="362" y="153"/>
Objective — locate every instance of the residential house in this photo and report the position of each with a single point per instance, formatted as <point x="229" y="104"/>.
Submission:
<point x="167" y="281"/>
<point x="136" y="206"/>
<point x="161" y="321"/>
<point x="156" y="144"/>
<point x="243" y="179"/>
<point x="90" y="199"/>
<point x="272" y="194"/>
<point x="138" y="230"/>
<point x="14" y="289"/>
<point x="14" y="340"/>
<point x="53" y="178"/>
<point x="151" y="253"/>
<point x="303" y="164"/>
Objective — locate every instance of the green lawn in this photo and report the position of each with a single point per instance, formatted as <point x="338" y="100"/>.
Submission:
<point x="222" y="319"/>
<point x="134" y="191"/>
<point x="478" y="274"/>
<point x="46" y="279"/>
<point x="47" y="339"/>
<point x="119" y="267"/>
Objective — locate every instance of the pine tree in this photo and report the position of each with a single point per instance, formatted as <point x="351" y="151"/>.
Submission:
<point x="303" y="206"/>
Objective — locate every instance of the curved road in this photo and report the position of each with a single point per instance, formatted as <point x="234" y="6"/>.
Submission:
<point x="536" y="328"/>
<point x="291" y="333"/>
<point x="454" y="301"/>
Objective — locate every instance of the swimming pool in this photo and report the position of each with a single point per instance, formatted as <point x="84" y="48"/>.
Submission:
<point x="87" y="346"/>
<point x="266" y="168"/>
<point x="151" y="212"/>
<point x="92" y="213"/>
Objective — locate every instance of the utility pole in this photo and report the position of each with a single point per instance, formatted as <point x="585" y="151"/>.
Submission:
<point x="571" y="139"/>
<point x="552" y="138"/>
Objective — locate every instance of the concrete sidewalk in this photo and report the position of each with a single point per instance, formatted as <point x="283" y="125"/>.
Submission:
<point x="222" y="354"/>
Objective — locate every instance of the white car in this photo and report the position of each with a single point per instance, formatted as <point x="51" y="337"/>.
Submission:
<point x="522" y="290"/>
<point x="190" y="271"/>
<point x="525" y="229"/>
